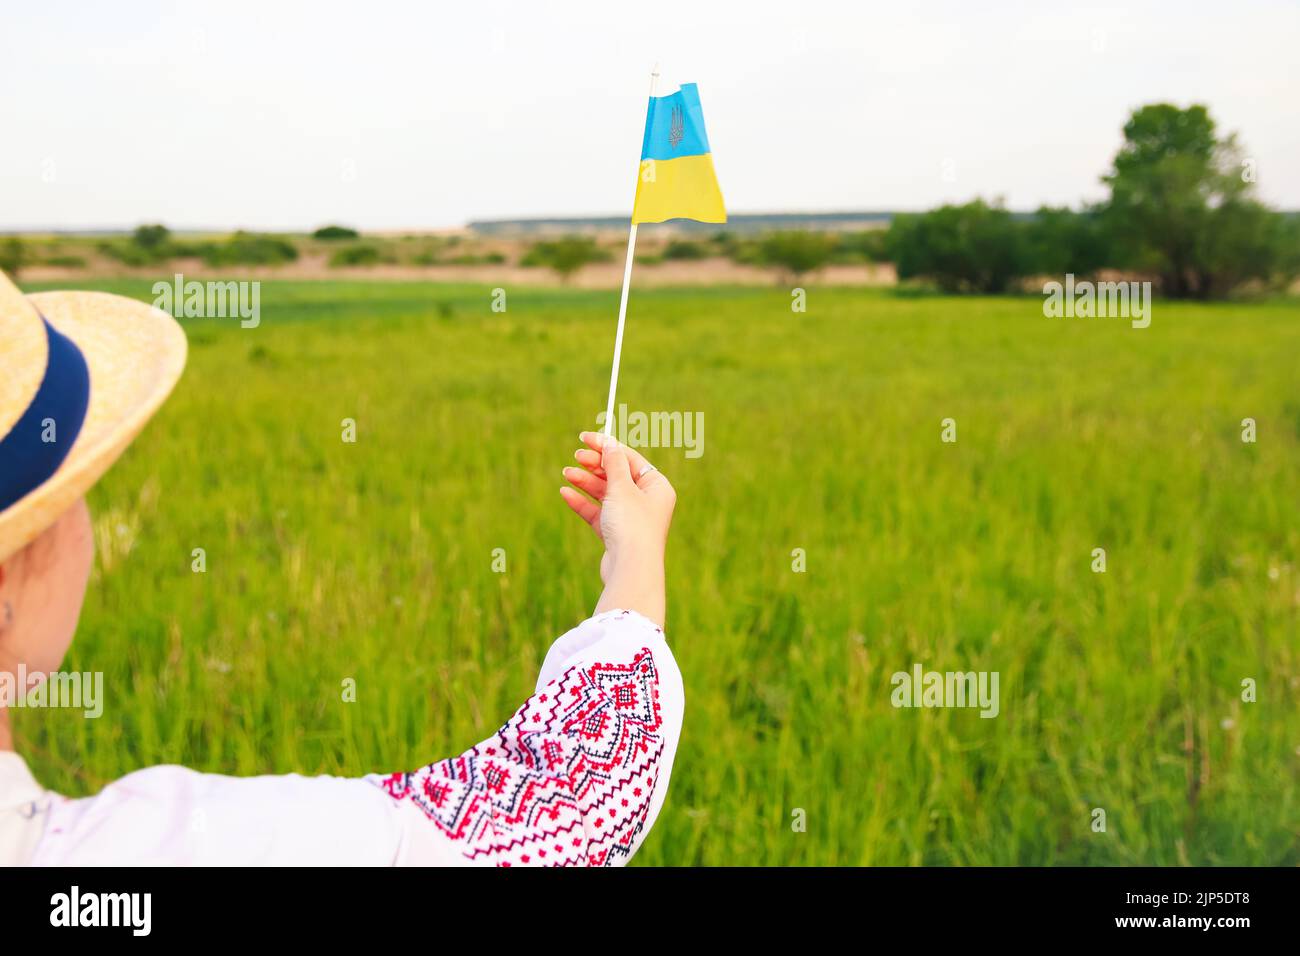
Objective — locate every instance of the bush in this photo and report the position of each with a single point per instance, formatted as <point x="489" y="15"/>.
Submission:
<point x="479" y="259"/>
<point x="796" y="252"/>
<point x="360" y="255"/>
<point x="867" y="246"/>
<point x="128" y="253"/>
<point x="197" y="250"/>
<point x="1057" y="241"/>
<point x="970" y="248"/>
<point x="746" y="252"/>
<point x="66" y="262"/>
<point x="435" y="250"/>
<point x="723" y="241"/>
<point x="1245" y="242"/>
<point x="565" y="256"/>
<point x="147" y="245"/>
<point x="683" y="249"/>
<point x="13" y="255"/>
<point x="246" y="248"/>
<point x="1288" y="237"/>
<point x="332" y="233"/>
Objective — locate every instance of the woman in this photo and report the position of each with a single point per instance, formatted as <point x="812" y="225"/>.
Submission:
<point x="575" y="777"/>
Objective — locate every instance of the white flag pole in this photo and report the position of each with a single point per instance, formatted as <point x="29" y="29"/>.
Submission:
<point x="622" y="302"/>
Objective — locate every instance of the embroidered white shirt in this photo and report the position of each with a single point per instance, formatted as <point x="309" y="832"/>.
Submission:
<point x="577" y="776"/>
<point x="23" y="806"/>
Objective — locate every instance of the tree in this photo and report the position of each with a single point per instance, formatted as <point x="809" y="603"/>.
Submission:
<point x="1181" y="206"/>
<point x="152" y="238"/>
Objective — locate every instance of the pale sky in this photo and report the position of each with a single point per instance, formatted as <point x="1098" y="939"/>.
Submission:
<point x="273" y="115"/>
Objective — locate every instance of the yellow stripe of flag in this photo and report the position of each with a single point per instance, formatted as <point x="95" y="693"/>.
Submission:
<point x="676" y="179"/>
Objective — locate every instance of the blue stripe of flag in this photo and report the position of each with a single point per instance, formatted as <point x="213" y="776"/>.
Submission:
<point x="659" y="126"/>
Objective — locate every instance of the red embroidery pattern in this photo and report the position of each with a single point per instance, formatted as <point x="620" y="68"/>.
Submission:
<point x="566" y="782"/>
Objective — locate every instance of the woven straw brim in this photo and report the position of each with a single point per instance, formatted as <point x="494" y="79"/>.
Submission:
<point x="135" y="354"/>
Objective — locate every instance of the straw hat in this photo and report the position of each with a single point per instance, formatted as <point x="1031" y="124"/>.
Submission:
<point x="73" y="394"/>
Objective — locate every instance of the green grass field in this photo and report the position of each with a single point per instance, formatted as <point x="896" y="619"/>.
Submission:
<point x="372" y="561"/>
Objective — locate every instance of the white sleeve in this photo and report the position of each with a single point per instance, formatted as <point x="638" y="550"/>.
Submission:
<point x="171" y="816"/>
<point x="576" y="776"/>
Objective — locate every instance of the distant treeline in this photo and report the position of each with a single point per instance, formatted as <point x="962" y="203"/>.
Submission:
<point x="736" y="222"/>
<point x="1181" y="210"/>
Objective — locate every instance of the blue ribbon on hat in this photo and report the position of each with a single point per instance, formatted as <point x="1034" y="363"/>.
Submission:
<point x="26" y="459"/>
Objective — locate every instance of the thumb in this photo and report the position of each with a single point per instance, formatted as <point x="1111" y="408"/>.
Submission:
<point x="618" y="470"/>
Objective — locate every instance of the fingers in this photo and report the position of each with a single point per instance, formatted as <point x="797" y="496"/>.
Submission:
<point x="596" y="441"/>
<point x="590" y="460"/>
<point x="583" y="507"/>
<point x="616" y="461"/>
<point x="593" y="485"/>
<point x="656" y="483"/>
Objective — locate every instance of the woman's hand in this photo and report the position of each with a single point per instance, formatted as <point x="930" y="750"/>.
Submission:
<point x="631" y="513"/>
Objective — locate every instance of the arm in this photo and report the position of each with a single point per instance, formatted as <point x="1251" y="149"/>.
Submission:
<point x="576" y="776"/>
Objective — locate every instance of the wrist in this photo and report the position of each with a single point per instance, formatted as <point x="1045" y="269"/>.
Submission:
<point x="635" y="586"/>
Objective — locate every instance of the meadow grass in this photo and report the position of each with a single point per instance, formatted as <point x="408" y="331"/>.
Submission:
<point x="372" y="561"/>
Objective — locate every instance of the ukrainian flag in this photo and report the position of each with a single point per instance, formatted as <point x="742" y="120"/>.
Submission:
<point x="676" y="180"/>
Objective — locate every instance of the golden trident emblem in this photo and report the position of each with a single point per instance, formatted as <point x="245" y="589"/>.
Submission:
<point x="677" y="127"/>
